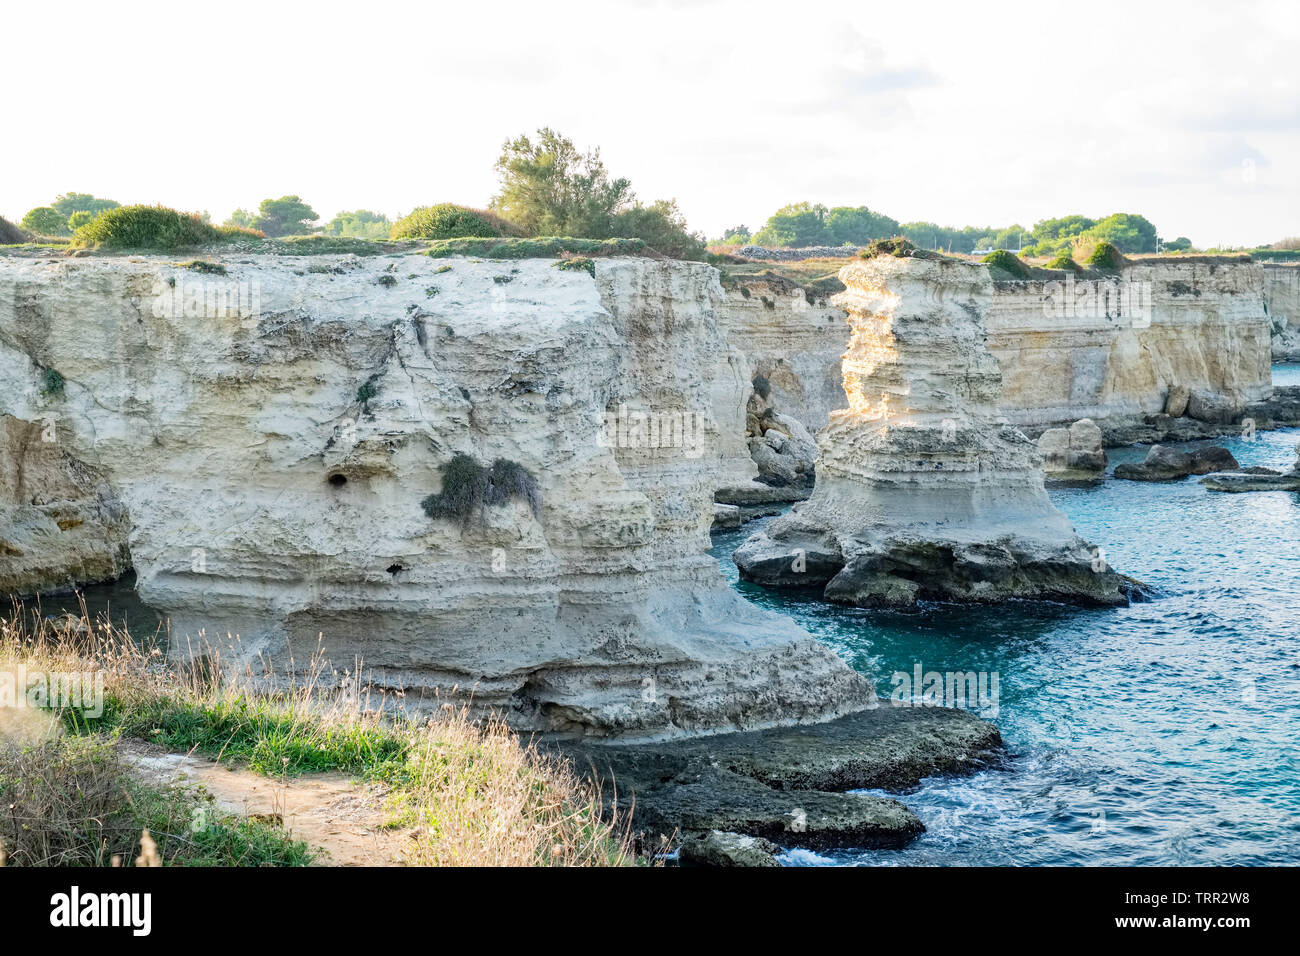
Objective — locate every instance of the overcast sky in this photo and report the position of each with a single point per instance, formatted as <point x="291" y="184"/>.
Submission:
<point x="970" y="113"/>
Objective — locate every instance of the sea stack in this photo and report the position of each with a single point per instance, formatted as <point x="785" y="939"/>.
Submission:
<point x="921" y="494"/>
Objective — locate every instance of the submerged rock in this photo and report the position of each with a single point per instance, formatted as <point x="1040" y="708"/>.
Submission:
<point x="1255" y="479"/>
<point x="720" y="848"/>
<point x="1168" y="464"/>
<point x="920" y="493"/>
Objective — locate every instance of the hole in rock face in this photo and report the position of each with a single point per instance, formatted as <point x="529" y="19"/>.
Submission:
<point x="394" y="568"/>
<point x="337" y="480"/>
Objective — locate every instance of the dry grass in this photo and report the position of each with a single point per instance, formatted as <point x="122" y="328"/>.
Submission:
<point x="471" y="793"/>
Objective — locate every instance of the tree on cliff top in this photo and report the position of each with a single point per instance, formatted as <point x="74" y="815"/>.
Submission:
<point x="1127" y="232"/>
<point x="359" y="224"/>
<point x="70" y="203"/>
<point x="46" y="221"/>
<point x="286" y="216"/>
<point x="550" y="188"/>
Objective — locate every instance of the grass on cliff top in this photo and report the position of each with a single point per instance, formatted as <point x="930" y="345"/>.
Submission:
<point x="473" y="792"/>
<point x="540" y="247"/>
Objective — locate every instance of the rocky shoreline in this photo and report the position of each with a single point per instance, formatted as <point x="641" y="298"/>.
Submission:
<point x="738" y="796"/>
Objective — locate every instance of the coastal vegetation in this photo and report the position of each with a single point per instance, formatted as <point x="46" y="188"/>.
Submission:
<point x="449" y="221"/>
<point x="457" y="791"/>
<point x="806" y="224"/>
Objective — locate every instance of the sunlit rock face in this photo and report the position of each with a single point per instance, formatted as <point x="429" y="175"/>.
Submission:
<point x="1282" y="297"/>
<point x="921" y="493"/>
<point x="1113" y="349"/>
<point x="271" y="433"/>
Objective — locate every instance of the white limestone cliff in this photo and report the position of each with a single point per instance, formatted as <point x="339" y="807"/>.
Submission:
<point x="270" y="434"/>
<point x="920" y="492"/>
<point x="1109" y="349"/>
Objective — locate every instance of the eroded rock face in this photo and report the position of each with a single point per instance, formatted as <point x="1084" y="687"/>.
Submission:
<point x="920" y="493"/>
<point x="1112" y="349"/>
<point x="61" y="524"/>
<point x="1282" y="296"/>
<point x="1123" y="351"/>
<point x="273" y="460"/>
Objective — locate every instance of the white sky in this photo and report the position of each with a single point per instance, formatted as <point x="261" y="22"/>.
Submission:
<point x="972" y="113"/>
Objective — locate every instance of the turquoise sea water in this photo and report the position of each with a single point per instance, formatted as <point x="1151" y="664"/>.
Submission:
<point x="1162" y="733"/>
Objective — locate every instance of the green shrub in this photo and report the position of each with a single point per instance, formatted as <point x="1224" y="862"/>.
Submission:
<point x="80" y="218"/>
<point x="387" y="280"/>
<point x="207" y="268"/>
<point x="662" y="227"/>
<point x="468" y="488"/>
<point x="449" y="221"/>
<point x="577" y="264"/>
<point x="147" y="227"/>
<point x="52" y="383"/>
<point x="898" y="247"/>
<point x="542" y="247"/>
<point x="1007" y="262"/>
<point x="1106" y="256"/>
<point x="367" y="391"/>
<point x="45" y="221"/>
<point x="1064" y="260"/>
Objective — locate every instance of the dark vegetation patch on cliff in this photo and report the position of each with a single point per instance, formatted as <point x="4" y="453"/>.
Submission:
<point x="52" y="384"/>
<point x="205" y="267"/>
<point x="469" y="488"/>
<point x="449" y="221"/>
<point x="577" y="264"/>
<point x="542" y="247"/>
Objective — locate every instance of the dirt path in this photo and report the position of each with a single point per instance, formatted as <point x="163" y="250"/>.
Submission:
<point x="329" y="810"/>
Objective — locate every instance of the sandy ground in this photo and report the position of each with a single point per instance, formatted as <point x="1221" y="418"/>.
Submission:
<point x="330" y="811"/>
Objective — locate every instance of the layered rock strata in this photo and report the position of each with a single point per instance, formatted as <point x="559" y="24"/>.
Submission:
<point x="921" y="493"/>
<point x="1282" y="298"/>
<point x="1114" y="350"/>
<point x="280" y="433"/>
